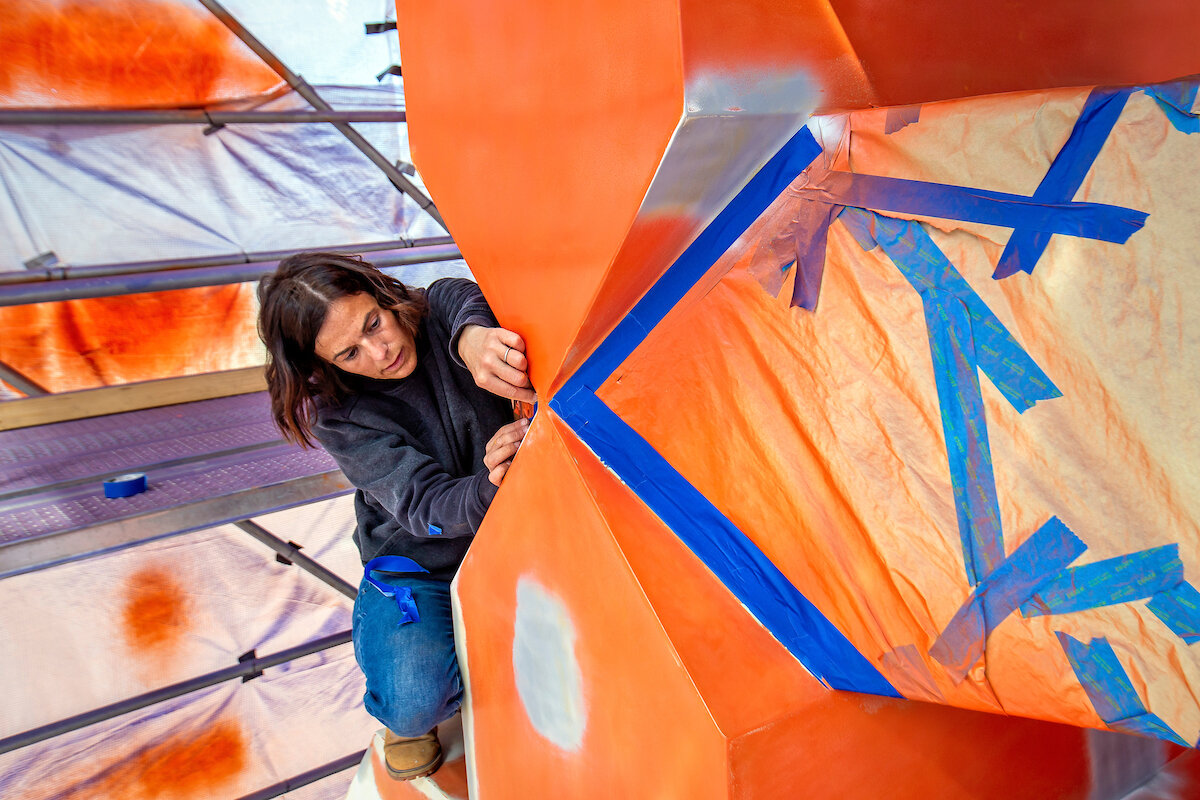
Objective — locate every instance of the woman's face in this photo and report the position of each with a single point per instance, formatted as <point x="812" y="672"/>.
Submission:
<point x="361" y="338"/>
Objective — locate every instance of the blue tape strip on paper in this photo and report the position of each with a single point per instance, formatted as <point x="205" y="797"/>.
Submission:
<point x="1148" y="724"/>
<point x="736" y="561"/>
<point x="900" y="117"/>
<point x="1009" y="367"/>
<point x="956" y="375"/>
<point x="964" y="337"/>
<point x="1104" y="583"/>
<point x="401" y="594"/>
<point x="695" y="261"/>
<point x="1100" y="113"/>
<point x="1102" y="677"/>
<point x="724" y="549"/>
<point x="955" y="318"/>
<point x="1107" y="223"/>
<point x="860" y="224"/>
<point x="811" y="237"/>
<point x="1110" y="690"/>
<point x="1051" y="548"/>
<point x="1179" y="609"/>
<point x="1177" y="101"/>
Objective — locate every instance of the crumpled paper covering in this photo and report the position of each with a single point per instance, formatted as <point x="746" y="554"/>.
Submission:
<point x="819" y="434"/>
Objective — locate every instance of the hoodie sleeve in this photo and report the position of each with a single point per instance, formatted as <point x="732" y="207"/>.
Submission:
<point x="457" y="303"/>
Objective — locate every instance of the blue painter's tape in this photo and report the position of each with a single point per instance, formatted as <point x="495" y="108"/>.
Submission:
<point x="1177" y="101"/>
<point x="695" y="261"/>
<point x="964" y="337"/>
<point x="1100" y="113"/>
<point x="733" y="558"/>
<point x="125" y="485"/>
<point x="1179" y="609"/>
<point x="1102" y="677"/>
<point x="401" y="594"/>
<point x="1010" y="368"/>
<point x="956" y="375"/>
<point x="434" y="530"/>
<point x="1110" y="690"/>
<point x="874" y="192"/>
<point x="860" y="224"/>
<point x="724" y="549"/>
<point x="900" y="117"/>
<point x="811" y="238"/>
<point x="1150" y="725"/>
<point x="1105" y="583"/>
<point x="1052" y="547"/>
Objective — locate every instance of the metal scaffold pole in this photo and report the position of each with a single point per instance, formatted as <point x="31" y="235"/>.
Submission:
<point x="302" y="87"/>
<point x="55" y="116"/>
<point x="245" y="669"/>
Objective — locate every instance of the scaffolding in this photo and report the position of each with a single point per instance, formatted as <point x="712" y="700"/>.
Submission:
<point x="254" y="476"/>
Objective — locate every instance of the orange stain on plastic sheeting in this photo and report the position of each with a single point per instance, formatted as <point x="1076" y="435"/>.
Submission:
<point x="185" y="766"/>
<point x="155" y="614"/>
<point x="84" y="344"/>
<point x="129" y="53"/>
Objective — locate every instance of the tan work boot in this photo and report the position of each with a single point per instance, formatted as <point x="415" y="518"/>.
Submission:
<point x="411" y="758"/>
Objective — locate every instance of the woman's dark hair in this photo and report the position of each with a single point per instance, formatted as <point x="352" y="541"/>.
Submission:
<point x="292" y="305"/>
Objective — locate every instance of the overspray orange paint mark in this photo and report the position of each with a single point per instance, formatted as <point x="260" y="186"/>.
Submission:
<point x="450" y="779"/>
<point x="155" y="615"/>
<point x="122" y="53"/>
<point x="185" y="766"/>
<point x="84" y="344"/>
<point x="388" y="788"/>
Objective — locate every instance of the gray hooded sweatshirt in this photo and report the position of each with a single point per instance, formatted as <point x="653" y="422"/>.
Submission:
<point x="414" y="447"/>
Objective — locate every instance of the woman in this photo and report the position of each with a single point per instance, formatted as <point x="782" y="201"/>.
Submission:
<point x="409" y="390"/>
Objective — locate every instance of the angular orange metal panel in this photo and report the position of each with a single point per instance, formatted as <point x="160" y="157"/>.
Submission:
<point x="943" y="49"/>
<point x="646" y="730"/>
<point x="757" y="36"/>
<point x="537" y="139"/>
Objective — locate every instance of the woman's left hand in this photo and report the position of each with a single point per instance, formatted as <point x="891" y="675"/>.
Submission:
<point x="496" y="359"/>
<point x="501" y="449"/>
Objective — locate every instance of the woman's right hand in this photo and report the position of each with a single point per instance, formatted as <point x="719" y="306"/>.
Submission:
<point x="501" y="449"/>
<point x="497" y="362"/>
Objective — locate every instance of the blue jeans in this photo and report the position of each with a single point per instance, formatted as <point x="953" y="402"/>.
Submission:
<point x="412" y="672"/>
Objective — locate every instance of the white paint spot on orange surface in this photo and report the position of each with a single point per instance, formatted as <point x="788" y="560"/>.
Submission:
<point x="547" y="673"/>
<point x="752" y="92"/>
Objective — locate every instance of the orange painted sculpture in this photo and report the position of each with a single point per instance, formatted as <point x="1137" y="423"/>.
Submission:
<point x="767" y="502"/>
<point x="771" y="534"/>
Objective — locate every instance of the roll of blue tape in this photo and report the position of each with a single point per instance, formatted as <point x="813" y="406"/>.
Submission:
<point x="125" y="485"/>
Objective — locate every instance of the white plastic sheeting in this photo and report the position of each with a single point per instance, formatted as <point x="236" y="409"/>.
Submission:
<point x="86" y="634"/>
<point x="105" y="194"/>
<point x="323" y="40"/>
<point x="95" y="632"/>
